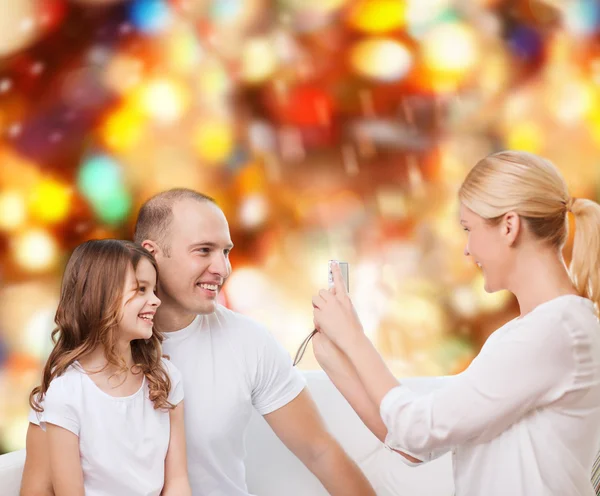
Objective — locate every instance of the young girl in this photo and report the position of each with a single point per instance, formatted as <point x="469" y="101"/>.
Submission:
<point x="111" y="406"/>
<point x="524" y="418"/>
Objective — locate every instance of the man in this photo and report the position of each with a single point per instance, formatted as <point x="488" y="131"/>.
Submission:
<point x="229" y="363"/>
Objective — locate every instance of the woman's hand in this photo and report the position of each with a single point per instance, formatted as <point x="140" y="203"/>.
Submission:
<point x="331" y="359"/>
<point x="334" y="314"/>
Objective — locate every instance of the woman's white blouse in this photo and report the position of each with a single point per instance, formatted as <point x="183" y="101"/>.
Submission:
<point x="524" y="418"/>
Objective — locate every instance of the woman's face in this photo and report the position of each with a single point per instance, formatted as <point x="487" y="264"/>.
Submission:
<point x="489" y="247"/>
<point x="139" y="302"/>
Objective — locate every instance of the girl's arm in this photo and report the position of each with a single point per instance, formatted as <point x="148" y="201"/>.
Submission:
<point x="65" y="463"/>
<point x="176" y="475"/>
<point x="36" y="473"/>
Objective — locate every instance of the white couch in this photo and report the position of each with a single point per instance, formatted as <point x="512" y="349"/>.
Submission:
<point x="273" y="471"/>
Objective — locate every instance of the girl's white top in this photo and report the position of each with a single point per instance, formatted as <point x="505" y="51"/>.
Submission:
<point x="524" y="418"/>
<point x="123" y="441"/>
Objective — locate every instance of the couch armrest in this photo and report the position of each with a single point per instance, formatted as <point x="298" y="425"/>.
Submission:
<point x="11" y="471"/>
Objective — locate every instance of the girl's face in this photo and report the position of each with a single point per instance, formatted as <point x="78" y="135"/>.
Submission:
<point x="139" y="302"/>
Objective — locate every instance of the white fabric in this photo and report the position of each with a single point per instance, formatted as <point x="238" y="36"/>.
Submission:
<point x="123" y="441"/>
<point x="272" y="470"/>
<point x="524" y="417"/>
<point x="229" y="364"/>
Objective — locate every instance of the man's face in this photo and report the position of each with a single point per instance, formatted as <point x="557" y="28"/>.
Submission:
<point x="198" y="244"/>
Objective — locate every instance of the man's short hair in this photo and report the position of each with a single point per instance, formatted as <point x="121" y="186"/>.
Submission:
<point x="156" y="214"/>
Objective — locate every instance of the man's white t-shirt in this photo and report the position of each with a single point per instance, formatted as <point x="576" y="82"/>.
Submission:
<point x="229" y="365"/>
<point x="123" y="441"/>
<point x="524" y="418"/>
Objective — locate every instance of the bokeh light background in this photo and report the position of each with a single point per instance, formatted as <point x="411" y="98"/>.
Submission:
<point x="324" y="128"/>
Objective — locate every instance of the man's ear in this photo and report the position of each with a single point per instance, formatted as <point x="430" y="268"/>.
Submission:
<point x="511" y="227"/>
<point x="151" y="246"/>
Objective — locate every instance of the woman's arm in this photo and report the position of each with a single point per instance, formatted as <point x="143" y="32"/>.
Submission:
<point x="65" y="461"/>
<point x="176" y="475"/>
<point x="345" y="378"/>
<point x="528" y="368"/>
<point x="36" y="472"/>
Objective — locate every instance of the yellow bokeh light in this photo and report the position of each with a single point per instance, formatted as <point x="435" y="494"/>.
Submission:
<point x="35" y="250"/>
<point x="572" y="100"/>
<point x="450" y="48"/>
<point x="50" y="201"/>
<point x="525" y="136"/>
<point x="123" y="73"/>
<point x="382" y="59"/>
<point x="183" y="51"/>
<point x="13" y="211"/>
<point x="123" y="129"/>
<point x="259" y="60"/>
<point x="163" y="100"/>
<point x="213" y="79"/>
<point x="377" y="16"/>
<point x="213" y="141"/>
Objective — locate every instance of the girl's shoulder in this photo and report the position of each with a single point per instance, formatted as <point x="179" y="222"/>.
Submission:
<point x="170" y="369"/>
<point x="68" y="385"/>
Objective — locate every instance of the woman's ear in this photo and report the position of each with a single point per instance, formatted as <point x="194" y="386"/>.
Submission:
<point x="511" y="227"/>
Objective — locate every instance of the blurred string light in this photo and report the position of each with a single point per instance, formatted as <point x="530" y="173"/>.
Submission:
<point x="259" y="59"/>
<point x="150" y="16"/>
<point x="124" y="72"/>
<point x="100" y="180"/>
<point x="381" y="59"/>
<point x="449" y="53"/>
<point x="377" y="16"/>
<point x="35" y="250"/>
<point x="213" y="80"/>
<point x="582" y="17"/>
<point x="13" y="210"/>
<point x="164" y="100"/>
<point x="50" y="201"/>
<point x="247" y="287"/>
<point x="123" y="128"/>
<point x="37" y="331"/>
<point x="183" y="52"/>
<point x="526" y="136"/>
<point x="573" y="99"/>
<point x="18" y="26"/>
<point x="253" y="211"/>
<point x="51" y="13"/>
<point x="422" y="15"/>
<point x="224" y="11"/>
<point x="214" y="141"/>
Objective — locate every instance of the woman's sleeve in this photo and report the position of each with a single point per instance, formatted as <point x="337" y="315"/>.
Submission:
<point x="525" y="369"/>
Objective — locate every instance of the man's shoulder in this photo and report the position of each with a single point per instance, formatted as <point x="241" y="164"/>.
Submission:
<point x="235" y="322"/>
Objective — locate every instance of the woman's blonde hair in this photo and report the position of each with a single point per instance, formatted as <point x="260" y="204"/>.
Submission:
<point x="88" y="315"/>
<point x="533" y="187"/>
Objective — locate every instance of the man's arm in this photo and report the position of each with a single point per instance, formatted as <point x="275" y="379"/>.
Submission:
<point x="301" y="428"/>
<point x="176" y="475"/>
<point x="65" y="461"/>
<point x="36" y="472"/>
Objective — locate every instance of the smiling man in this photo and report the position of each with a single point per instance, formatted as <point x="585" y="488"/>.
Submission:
<point x="229" y="363"/>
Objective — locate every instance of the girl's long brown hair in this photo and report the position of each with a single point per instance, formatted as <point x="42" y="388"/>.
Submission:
<point x="88" y="314"/>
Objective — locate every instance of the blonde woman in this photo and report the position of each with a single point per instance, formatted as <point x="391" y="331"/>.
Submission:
<point x="524" y="418"/>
